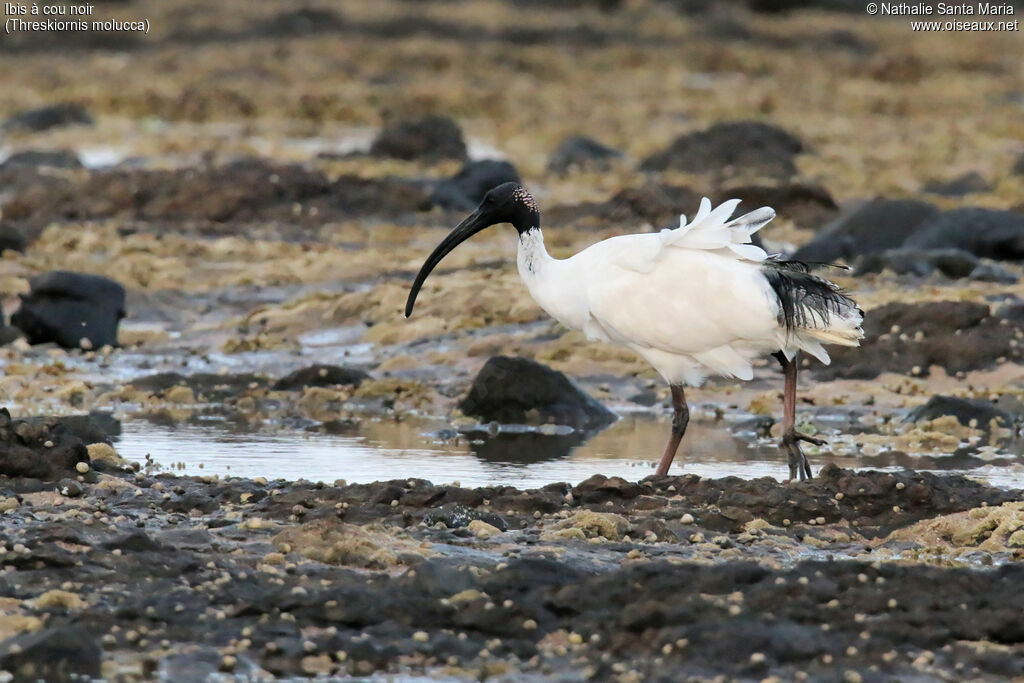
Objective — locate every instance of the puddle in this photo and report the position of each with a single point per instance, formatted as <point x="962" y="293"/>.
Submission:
<point x="385" y="449"/>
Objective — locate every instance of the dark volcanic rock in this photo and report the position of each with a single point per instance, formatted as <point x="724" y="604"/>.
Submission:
<point x="899" y="337"/>
<point x="734" y="148"/>
<point x="45" y="118"/>
<point x="9" y="334"/>
<point x="983" y="232"/>
<point x="808" y="206"/>
<point x="396" y="595"/>
<point x="653" y="204"/>
<point x="582" y="153"/>
<point x="205" y="385"/>
<point x="320" y="376"/>
<point x="209" y="199"/>
<point x="1018" y="166"/>
<point x="953" y="263"/>
<point x="44" y="450"/>
<point x="75" y="310"/>
<point x="304" y="21"/>
<point x="968" y="183"/>
<point x="965" y="410"/>
<point x="430" y="138"/>
<point x="90" y="428"/>
<point x="53" y="654"/>
<point x="60" y="158"/>
<point x="867" y="228"/>
<point x="519" y="390"/>
<point x="466" y="189"/>
<point x="11" y="237"/>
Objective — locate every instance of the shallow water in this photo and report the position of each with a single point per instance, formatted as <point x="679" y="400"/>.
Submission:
<point x="526" y="458"/>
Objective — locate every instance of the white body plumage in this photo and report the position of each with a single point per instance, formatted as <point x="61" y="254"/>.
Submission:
<point x="693" y="301"/>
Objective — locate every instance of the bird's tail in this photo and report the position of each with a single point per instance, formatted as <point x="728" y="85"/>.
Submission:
<point x="812" y="310"/>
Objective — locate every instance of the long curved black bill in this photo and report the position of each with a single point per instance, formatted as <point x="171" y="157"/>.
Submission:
<point x="473" y="224"/>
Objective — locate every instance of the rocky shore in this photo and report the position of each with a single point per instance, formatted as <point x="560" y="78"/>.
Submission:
<point x="850" y="576"/>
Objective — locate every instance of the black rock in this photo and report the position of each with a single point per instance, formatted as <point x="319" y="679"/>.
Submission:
<point x="75" y="310"/>
<point x="654" y="204"/>
<point x="53" y="116"/>
<point x="808" y="206"/>
<point x="429" y="139"/>
<point x="456" y="515"/>
<point x="953" y="263"/>
<point x="91" y="428"/>
<point x="60" y="158"/>
<point x="1012" y="310"/>
<point x="1018" y="166"/>
<point x="466" y="189"/>
<point x="965" y="410"/>
<point x="990" y="272"/>
<point x="303" y="21"/>
<point x="519" y="390"/>
<point x="53" y="654"/>
<point x="900" y="337"/>
<point x="44" y="450"/>
<point x="582" y="153"/>
<point x="734" y="148"/>
<point x="205" y="385"/>
<point x="9" y="334"/>
<point x="11" y="238"/>
<point x="968" y="183"/>
<point x="320" y="376"/>
<point x="69" y="487"/>
<point x="867" y="228"/>
<point x="989" y="233"/>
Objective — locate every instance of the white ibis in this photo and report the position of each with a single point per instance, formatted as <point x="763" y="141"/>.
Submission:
<point x="693" y="301"/>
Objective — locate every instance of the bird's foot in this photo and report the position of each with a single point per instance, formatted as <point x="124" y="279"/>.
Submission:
<point x="799" y="467"/>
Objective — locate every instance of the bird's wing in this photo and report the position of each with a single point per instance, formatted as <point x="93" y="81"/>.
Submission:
<point x="711" y="229"/>
<point x="691" y="301"/>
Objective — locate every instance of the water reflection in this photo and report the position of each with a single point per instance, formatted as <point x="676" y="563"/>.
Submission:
<point x="374" y="450"/>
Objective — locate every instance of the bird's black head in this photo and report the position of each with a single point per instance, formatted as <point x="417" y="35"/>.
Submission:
<point x="509" y="203"/>
<point x="506" y="203"/>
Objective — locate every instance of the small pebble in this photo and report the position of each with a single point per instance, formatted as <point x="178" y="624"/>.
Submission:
<point x="82" y="467"/>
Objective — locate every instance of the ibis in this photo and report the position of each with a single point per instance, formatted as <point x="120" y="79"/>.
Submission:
<point x="694" y="301"/>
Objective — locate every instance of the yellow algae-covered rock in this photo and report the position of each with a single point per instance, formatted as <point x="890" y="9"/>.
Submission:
<point x="984" y="528"/>
<point x="392" y="386"/>
<point x="180" y="394"/>
<point x="322" y="401"/>
<point x="567" y="534"/>
<point x="482" y="529"/>
<point x="59" y="598"/>
<point x="8" y="504"/>
<point x="468" y="595"/>
<point x="13" y="624"/>
<point x="106" y="453"/>
<point x="594" y="524"/>
<point x="335" y="542"/>
<point x="757" y="524"/>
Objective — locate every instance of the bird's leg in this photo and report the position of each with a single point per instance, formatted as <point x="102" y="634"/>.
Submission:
<point x="798" y="464"/>
<point x="680" y="418"/>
